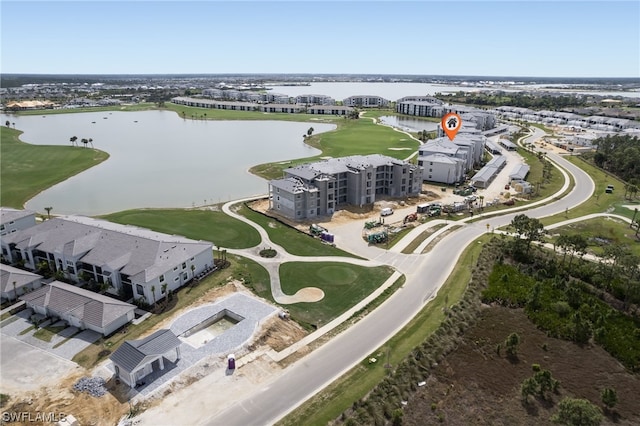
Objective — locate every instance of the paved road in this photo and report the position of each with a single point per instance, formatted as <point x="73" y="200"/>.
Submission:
<point x="425" y="275"/>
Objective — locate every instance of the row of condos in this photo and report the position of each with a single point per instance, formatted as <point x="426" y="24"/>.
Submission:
<point x="270" y="107"/>
<point x="267" y="97"/>
<point x="133" y="262"/>
<point x="596" y="122"/>
<point x="320" y="188"/>
<point x="428" y="106"/>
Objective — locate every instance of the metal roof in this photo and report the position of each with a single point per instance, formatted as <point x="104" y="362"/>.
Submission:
<point x="134" y="353"/>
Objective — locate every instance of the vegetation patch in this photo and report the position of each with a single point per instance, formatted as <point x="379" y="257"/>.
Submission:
<point x="46" y="333"/>
<point x="26" y="170"/>
<point x="343" y="284"/>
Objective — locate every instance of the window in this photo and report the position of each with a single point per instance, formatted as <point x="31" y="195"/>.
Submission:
<point x="175" y="268"/>
<point x="139" y="290"/>
<point x="175" y="280"/>
<point x="161" y="278"/>
<point x="431" y="163"/>
<point x="184" y="265"/>
<point x="184" y="276"/>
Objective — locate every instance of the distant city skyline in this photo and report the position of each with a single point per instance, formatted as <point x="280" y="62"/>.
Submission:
<point x="479" y="38"/>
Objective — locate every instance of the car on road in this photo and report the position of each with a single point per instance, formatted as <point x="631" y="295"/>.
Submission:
<point x="387" y="211"/>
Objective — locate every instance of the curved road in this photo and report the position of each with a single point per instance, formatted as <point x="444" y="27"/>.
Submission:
<point x="425" y="275"/>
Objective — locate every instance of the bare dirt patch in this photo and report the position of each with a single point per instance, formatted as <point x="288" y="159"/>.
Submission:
<point x="475" y="386"/>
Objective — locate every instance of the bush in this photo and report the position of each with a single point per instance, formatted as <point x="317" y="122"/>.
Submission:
<point x="577" y="412"/>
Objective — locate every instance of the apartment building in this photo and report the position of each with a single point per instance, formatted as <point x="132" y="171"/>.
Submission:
<point x="318" y="189"/>
<point x="366" y="101"/>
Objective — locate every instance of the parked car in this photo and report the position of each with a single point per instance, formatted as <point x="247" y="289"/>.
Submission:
<point x="386" y="211"/>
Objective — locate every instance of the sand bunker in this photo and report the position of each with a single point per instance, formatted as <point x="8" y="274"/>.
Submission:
<point x="307" y="294"/>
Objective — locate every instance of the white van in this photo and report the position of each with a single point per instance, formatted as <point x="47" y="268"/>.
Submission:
<point x="386" y="211"/>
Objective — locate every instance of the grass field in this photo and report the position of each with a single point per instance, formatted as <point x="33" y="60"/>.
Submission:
<point x="293" y="241"/>
<point x="600" y="202"/>
<point x="344" y="285"/>
<point x="601" y="232"/>
<point x="328" y="404"/>
<point x="27" y="169"/>
<point x="215" y="226"/>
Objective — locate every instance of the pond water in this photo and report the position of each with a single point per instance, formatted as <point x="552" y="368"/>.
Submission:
<point x="409" y="124"/>
<point x="158" y="159"/>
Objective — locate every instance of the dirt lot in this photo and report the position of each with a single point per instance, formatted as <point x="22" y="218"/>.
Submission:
<point x="474" y="386"/>
<point x="108" y="409"/>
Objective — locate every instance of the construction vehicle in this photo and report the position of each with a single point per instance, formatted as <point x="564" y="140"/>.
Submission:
<point x="317" y="230"/>
<point x="372" y="224"/>
<point x="377" y="238"/>
<point x="410" y="217"/>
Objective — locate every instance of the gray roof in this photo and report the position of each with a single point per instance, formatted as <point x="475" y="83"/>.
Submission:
<point x="519" y="172"/>
<point x="140" y="253"/>
<point x="292" y="185"/>
<point x="7" y="214"/>
<point x="507" y="143"/>
<point x="134" y="353"/>
<point x="92" y="308"/>
<point x="9" y="275"/>
<point x="334" y="166"/>
<point x="440" y="145"/>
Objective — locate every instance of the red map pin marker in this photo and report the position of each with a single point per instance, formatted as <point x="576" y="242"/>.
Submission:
<point x="451" y="123"/>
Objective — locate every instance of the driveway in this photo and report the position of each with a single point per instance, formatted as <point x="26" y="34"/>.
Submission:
<point x="26" y="368"/>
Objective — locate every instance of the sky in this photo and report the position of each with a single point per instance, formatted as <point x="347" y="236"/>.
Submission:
<point x="480" y="38"/>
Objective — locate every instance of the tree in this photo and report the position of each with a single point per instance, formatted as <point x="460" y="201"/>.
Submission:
<point x="15" y="291"/>
<point x="48" y="209"/>
<point x="85" y="141"/>
<point x="163" y="288"/>
<point x="73" y="140"/>
<point x="529" y="229"/>
<point x="7" y="123"/>
<point x="528" y="387"/>
<point x="609" y="397"/>
<point x="310" y="131"/>
<point x="153" y="294"/>
<point x="90" y="142"/>
<point x="193" y="268"/>
<point x="577" y="412"/>
<point x="511" y="345"/>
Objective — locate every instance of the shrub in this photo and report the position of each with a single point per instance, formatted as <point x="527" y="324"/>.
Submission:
<point x="577" y="412"/>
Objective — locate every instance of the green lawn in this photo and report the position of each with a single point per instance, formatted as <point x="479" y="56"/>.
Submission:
<point x="344" y="285"/>
<point x="133" y="107"/>
<point x="46" y="333"/>
<point x="28" y="169"/>
<point x="215" y="226"/>
<point x="600" y="202"/>
<point x="294" y="241"/>
<point x="329" y="403"/>
<point x="614" y="231"/>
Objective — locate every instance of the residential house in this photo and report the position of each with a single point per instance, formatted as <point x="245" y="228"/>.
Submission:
<point x="442" y="168"/>
<point x="315" y="100"/>
<point x="317" y="189"/>
<point x="130" y="261"/>
<point x="14" y="282"/>
<point x="80" y="308"/>
<point x="329" y="110"/>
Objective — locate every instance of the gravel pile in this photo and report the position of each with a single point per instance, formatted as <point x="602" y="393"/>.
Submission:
<point x="94" y="386"/>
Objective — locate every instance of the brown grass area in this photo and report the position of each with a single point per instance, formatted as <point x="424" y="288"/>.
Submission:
<point x="475" y="386"/>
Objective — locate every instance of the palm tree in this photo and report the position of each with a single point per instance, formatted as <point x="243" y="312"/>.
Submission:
<point x="153" y="293"/>
<point x="15" y="291"/>
<point x="91" y="142"/>
<point x="7" y="123"/>
<point x="48" y="209"/>
<point x="73" y="140"/>
<point x="310" y="131"/>
<point x="85" y="141"/>
<point x="193" y="268"/>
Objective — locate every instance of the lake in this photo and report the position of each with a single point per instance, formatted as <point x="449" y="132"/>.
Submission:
<point x="409" y="124"/>
<point x="158" y="159"/>
<point x="395" y="91"/>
